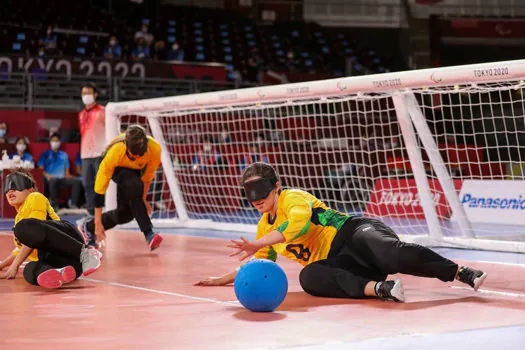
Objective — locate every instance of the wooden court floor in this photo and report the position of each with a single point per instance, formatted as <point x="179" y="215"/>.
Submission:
<point x="143" y="300"/>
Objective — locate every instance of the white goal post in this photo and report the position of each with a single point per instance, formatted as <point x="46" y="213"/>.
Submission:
<point x="438" y="154"/>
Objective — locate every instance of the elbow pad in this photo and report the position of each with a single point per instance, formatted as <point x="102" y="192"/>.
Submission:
<point x="99" y="200"/>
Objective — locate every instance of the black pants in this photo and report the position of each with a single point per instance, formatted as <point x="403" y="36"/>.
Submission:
<point x="89" y="173"/>
<point x="58" y="242"/>
<point x="130" y="202"/>
<point x="367" y="250"/>
<point x="54" y="185"/>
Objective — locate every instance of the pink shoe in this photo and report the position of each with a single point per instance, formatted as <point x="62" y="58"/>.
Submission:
<point x="155" y="242"/>
<point x="55" y="278"/>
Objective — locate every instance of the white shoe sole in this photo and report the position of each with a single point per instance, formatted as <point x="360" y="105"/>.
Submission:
<point x="397" y="291"/>
<point x="479" y="281"/>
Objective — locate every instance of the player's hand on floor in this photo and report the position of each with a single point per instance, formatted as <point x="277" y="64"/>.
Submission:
<point x="10" y="273"/>
<point x="101" y="235"/>
<point x="210" y="281"/>
<point x="249" y="248"/>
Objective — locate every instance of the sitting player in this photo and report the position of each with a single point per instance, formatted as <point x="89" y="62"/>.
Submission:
<point x="131" y="160"/>
<point x="343" y="256"/>
<point x="56" y="249"/>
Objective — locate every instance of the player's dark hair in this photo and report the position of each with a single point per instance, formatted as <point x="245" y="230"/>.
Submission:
<point x="134" y="135"/>
<point x="90" y="85"/>
<point x="260" y="169"/>
<point x="136" y="139"/>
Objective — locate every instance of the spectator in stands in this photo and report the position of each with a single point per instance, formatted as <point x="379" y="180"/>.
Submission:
<point x="41" y="52"/>
<point x="159" y="51"/>
<point x="55" y="164"/>
<point x="49" y="41"/>
<point x="254" y="155"/>
<point x="3" y="132"/>
<point x="255" y="63"/>
<point x="145" y="35"/>
<point x="141" y="51"/>
<point x="92" y="121"/>
<point x="113" y="49"/>
<point x="207" y="157"/>
<point x="291" y="61"/>
<point x="225" y="136"/>
<point x="22" y="150"/>
<point x="176" y="53"/>
<point x="78" y="165"/>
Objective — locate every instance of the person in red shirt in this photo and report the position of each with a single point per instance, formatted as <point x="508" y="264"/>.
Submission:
<point x="92" y="121"/>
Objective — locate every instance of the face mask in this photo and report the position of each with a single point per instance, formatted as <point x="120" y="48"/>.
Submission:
<point x="206" y="148"/>
<point x="21" y="147"/>
<point x="88" y="99"/>
<point x="40" y="53"/>
<point x="175" y="47"/>
<point x="112" y="42"/>
<point x="55" y="145"/>
<point x="2" y="132"/>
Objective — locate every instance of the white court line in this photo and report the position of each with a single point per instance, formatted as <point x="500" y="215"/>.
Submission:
<point x="496" y="292"/>
<point x="497" y="262"/>
<point x="161" y="292"/>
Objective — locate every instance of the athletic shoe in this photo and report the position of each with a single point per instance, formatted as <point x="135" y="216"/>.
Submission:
<point x="473" y="278"/>
<point x="90" y="259"/>
<point x="55" y="278"/>
<point x="89" y="237"/>
<point x="391" y="290"/>
<point x="154" y="240"/>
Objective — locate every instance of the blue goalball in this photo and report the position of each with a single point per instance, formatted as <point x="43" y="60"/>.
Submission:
<point x="261" y="285"/>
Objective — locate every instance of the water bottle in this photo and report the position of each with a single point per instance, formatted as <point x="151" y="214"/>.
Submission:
<point x="5" y="160"/>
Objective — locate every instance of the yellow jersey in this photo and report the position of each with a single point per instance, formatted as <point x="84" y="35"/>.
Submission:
<point x="36" y="206"/>
<point x="307" y="224"/>
<point x="116" y="157"/>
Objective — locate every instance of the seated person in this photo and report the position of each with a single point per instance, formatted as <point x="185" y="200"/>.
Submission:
<point x="22" y="150"/>
<point x="207" y="157"/>
<point x="254" y="155"/>
<point x="55" y="164"/>
<point x="78" y="166"/>
<point x="4" y="133"/>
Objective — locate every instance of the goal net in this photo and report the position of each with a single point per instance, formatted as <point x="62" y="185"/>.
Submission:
<point x="437" y="154"/>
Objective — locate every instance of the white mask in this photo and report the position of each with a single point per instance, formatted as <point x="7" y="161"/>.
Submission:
<point x="21" y="147"/>
<point x="88" y="99"/>
<point x="55" y="145"/>
<point x="206" y="148"/>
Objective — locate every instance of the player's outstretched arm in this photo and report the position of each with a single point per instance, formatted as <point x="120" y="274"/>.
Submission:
<point x="7" y="261"/>
<point x="218" y="281"/>
<point x="249" y="248"/>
